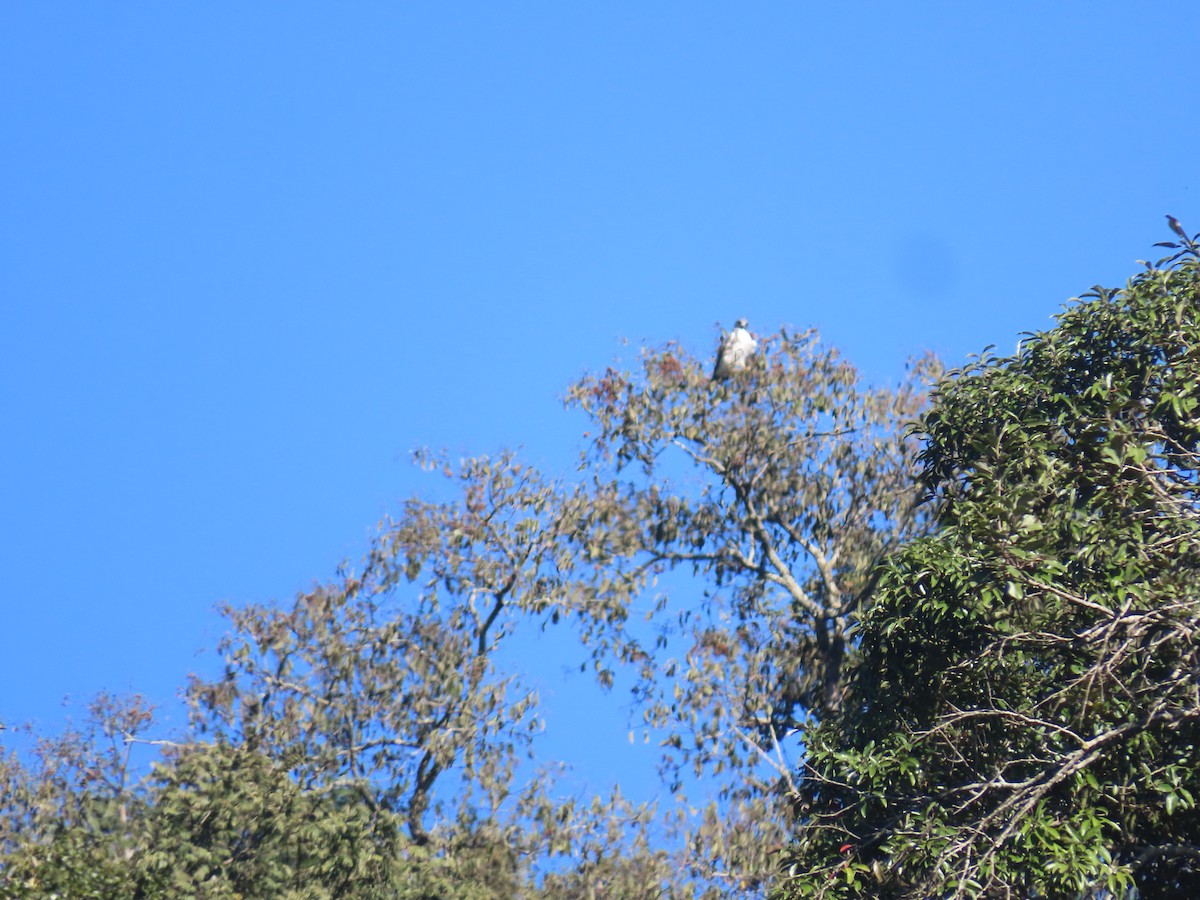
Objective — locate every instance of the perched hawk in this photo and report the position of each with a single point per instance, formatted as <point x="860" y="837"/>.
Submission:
<point x="734" y="352"/>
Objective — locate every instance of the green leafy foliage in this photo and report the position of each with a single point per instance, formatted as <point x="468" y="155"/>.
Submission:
<point x="1024" y="718"/>
<point x="229" y="822"/>
<point x="68" y="821"/>
<point x="212" y="821"/>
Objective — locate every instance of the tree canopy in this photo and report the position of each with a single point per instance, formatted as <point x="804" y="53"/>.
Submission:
<point x="956" y="659"/>
<point x="711" y="551"/>
<point x="1023" y="719"/>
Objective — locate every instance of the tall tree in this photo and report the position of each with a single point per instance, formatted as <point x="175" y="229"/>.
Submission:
<point x="376" y="730"/>
<point x="1024" y="717"/>
<point x="789" y="483"/>
<point x="776" y="493"/>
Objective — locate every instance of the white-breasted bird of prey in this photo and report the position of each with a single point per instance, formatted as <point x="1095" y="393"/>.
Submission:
<point x="734" y="352"/>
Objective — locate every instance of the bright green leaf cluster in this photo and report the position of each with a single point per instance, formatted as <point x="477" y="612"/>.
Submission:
<point x="1024" y="719"/>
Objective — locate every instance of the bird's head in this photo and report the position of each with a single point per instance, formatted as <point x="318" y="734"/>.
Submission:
<point x="741" y="323"/>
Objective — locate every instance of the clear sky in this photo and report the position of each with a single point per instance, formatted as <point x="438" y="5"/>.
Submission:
<point x="252" y="254"/>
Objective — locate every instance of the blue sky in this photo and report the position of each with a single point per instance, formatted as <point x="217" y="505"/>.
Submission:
<point x="251" y="255"/>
